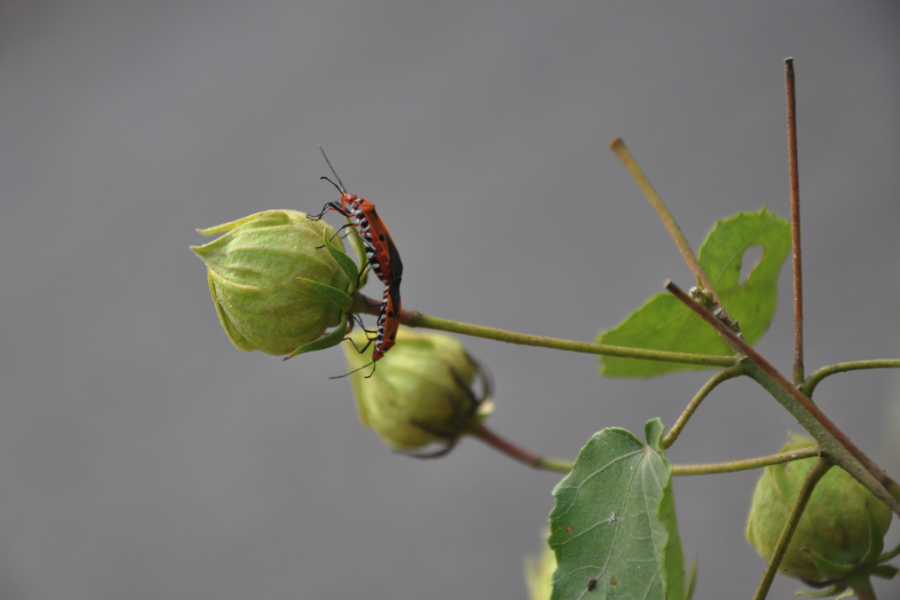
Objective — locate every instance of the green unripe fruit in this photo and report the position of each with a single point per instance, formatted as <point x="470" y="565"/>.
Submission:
<point x="841" y="529"/>
<point x="419" y="392"/>
<point x="273" y="284"/>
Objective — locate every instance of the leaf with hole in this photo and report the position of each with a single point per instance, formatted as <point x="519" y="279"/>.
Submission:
<point x="613" y="528"/>
<point x="664" y="323"/>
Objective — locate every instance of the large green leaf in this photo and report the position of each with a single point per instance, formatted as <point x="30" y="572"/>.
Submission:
<point x="664" y="323"/>
<point x="613" y="528"/>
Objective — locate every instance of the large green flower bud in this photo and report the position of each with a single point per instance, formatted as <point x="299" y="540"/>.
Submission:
<point x="278" y="281"/>
<point x="420" y="391"/>
<point x="841" y="530"/>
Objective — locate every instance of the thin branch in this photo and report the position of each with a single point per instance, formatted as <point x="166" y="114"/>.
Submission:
<point x="417" y="319"/>
<point x="813" y="380"/>
<point x="812" y="478"/>
<point x="621" y="150"/>
<point x="745" y="465"/>
<point x="834" y="442"/>
<point x="795" y="218"/>
<point x="524" y="456"/>
<point x="721" y="376"/>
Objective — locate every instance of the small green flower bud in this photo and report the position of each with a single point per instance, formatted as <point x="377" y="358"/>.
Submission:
<point x="841" y="529"/>
<point x="275" y="286"/>
<point x="419" y="392"/>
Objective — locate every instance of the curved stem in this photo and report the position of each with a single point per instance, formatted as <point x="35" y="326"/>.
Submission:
<point x="621" y="150"/>
<point x="812" y="478"/>
<point x="524" y="456"/>
<point x="744" y="465"/>
<point x="416" y="319"/>
<point x="813" y="380"/>
<point x="729" y="373"/>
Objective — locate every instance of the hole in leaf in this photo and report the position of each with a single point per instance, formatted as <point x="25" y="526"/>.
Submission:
<point x="750" y="261"/>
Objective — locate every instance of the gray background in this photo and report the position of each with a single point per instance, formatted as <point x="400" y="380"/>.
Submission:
<point x="142" y="456"/>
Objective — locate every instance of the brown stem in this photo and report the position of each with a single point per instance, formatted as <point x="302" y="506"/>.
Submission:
<point x="818" y="417"/>
<point x="524" y="456"/>
<point x="795" y="219"/>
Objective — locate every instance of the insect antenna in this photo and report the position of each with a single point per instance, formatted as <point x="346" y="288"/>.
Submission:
<point x="342" y="189"/>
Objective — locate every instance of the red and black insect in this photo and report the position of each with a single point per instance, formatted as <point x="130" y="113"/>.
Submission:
<point x="380" y="248"/>
<point x="386" y="333"/>
<point x="382" y="256"/>
<point x="388" y="320"/>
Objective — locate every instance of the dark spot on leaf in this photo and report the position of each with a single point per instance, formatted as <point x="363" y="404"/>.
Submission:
<point x="569" y="529"/>
<point x="613" y="582"/>
<point x="592" y="583"/>
<point x="667" y="515"/>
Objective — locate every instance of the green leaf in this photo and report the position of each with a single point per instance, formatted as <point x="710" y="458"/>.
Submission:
<point x="332" y="339"/>
<point x="336" y="296"/>
<point x="613" y="527"/>
<point x="664" y="323"/>
<point x="345" y="262"/>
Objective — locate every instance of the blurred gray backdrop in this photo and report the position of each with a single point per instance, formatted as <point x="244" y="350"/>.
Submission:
<point x="142" y="456"/>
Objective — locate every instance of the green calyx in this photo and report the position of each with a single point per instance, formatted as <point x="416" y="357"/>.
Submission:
<point x="279" y="281"/>
<point x="419" y="392"/>
<point x="840" y="535"/>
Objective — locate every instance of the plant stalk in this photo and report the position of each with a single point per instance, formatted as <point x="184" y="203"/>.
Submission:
<point x="523" y="456"/>
<point x="416" y="319"/>
<point x="744" y="465"/>
<point x="813" y="380"/>
<point x="721" y="376"/>
<point x="861" y="584"/>
<point x="618" y="146"/>
<point x="835" y="444"/>
<point x="795" y="218"/>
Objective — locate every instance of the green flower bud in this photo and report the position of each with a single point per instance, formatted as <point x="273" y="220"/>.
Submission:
<point x="841" y="530"/>
<point x="419" y="392"/>
<point x="276" y="288"/>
